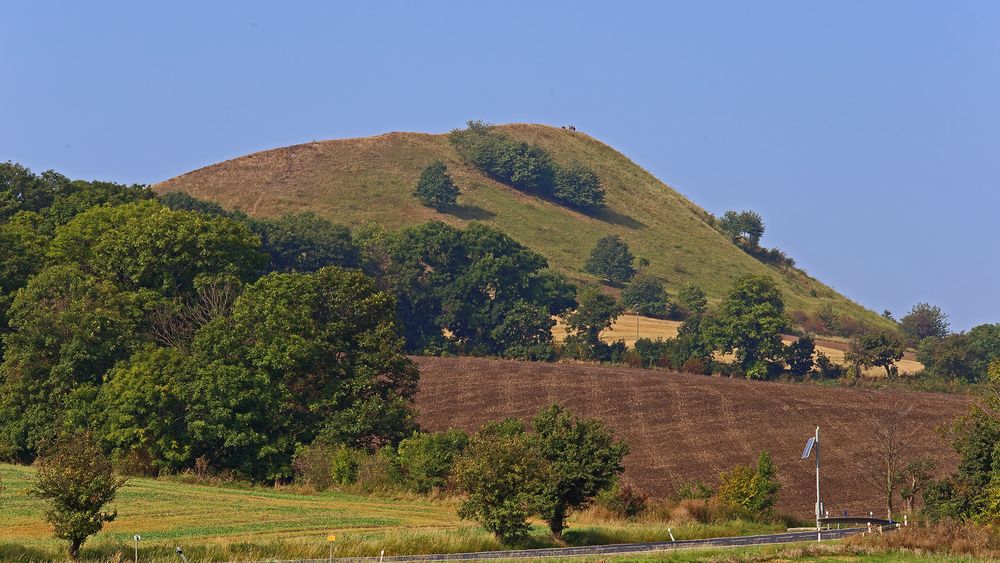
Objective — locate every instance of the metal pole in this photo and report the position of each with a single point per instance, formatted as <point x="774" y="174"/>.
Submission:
<point x="817" y="483"/>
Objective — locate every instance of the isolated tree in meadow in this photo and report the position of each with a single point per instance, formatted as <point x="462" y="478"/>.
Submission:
<point x="646" y="295"/>
<point x="611" y="260"/>
<point x="503" y="473"/>
<point x="924" y="320"/>
<point x="584" y="457"/>
<point x="749" y="324"/>
<point x="578" y="186"/>
<point x="435" y="187"/>
<point x="77" y="481"/>
<point x="596" y="312"/>
<point x="743" y="225"/>
<point x="692" y="300"/>
<point x="879" y="348"/>
<point x="799" y="355"/>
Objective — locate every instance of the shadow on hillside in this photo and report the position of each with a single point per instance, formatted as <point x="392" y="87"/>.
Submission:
<point x="615" y="218"/>
<point x="468" y="212"/>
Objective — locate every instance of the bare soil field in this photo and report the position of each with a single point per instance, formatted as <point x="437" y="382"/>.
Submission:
<point x="683" y="428"/>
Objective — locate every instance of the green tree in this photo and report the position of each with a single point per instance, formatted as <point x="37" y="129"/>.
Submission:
<point x="692" y="300"/>
<point x="646" y="295"/>
<point x="880" y="348"/>
<point x="578" y="186"/>
<point x="522" y="166"/>
<point x="502" y="472"/>
<point x="584" y="458"/>
<point x="595" y="313"/>
<point x="77" y="481"/>
<point x="305" y="242"/>
<point x="751" y="491"/>
<point x="435" y="188"/>
<point x="924" y="320"/>
<point x="950" y="357"/>
<point x="426" y="459"/>
<point x="23" y="190"/>
<point x="67" y="329"/>
<point x="23" y="243"/>
<point x="984" y="342"/>
<point x="799" y="355"/>
<point x="749" y="324"/>
<point x="743" y="226"/>
<point x="611" y="260"/>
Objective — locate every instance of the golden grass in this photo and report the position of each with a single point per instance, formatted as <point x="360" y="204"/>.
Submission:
<point x="352" y="181"/>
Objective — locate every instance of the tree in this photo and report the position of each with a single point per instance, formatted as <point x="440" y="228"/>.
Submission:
<point x="799" y="355"/>
<point x="502" y="472"/>
<point x="426" y="459"/>
<point x="749" y="323"/>
<point x="77" y="481"/>
<point x="885" y="467"/>
<point x="578" y="186"/>
<point x="880" y="348"/>
<point x="305" y="242"/>
<point x="950" y="357"/>
<point x="924" y="320"/>
<point x="584" y="457"/>
<point x="611" y="260"/>
<point x="984" y="343"/>
<point x="435" y="188"/>
<point x="646" y="295"/>
<point x="522" y="166"/>
<point x="595" y="313"/>
<point x="692" y="300"/>
<point x="751" y="491"/>
<point x="916" y="475"/>
<point x="743" y="226"/>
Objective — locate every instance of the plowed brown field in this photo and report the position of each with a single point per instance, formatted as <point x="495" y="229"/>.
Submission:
<point x="683" y="428"/>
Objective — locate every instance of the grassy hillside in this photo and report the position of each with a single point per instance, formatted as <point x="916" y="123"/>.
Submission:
<point x="682" y="428"/>
<point x="352" y="181"/>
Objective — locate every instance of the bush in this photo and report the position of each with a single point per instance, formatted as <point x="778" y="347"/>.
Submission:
<point x="751" y="491"/>
<point x="646" y="296"/>
<point x="611" y="260"/>
<point x="520" y="165"/>
<point x="624" y="501"/>
<point x="312" y="466"/>
<point x="695" y="490"/>
<point x="653" y="352"/>
<point x="344" y="464"/>
<point x="426" y="459"/>
<point x="826" y="368"/>
<point x="376" y="473"/>
<point x="578" y="186"/>
<point x="696" y="366"/>
<point x="435" y="188"/>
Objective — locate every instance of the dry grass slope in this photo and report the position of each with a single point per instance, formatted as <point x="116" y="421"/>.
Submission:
<point x="684" y="427"/>
<point x="352" y="181"/>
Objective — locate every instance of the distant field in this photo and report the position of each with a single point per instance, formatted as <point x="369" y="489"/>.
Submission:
<point x="683" y="428"/>
<point x="625" y="329"/>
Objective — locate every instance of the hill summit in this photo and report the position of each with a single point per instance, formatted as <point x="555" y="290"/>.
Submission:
<point x="353" y="181"/>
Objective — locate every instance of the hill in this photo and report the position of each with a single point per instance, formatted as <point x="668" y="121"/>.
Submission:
<point x="683" y="428"/>
<point x="353" y="181"/>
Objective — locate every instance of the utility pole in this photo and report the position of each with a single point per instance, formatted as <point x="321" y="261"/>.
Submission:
<point x="811" y="444"/>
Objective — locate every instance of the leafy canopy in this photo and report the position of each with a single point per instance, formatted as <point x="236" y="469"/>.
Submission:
<point x="435" y="187"/>
<point x="749" y="324"/>
<point x="611" y="260"/>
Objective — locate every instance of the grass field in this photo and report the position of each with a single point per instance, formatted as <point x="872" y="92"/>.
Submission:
<point x="352" y="181"/>
<point x="224" y="524"/>
<point x="628" y="326"/>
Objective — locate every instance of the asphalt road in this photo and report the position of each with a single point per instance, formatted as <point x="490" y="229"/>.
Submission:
<point x="614" y="549"/>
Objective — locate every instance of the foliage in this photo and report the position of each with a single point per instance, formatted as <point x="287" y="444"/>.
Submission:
<point x="182" y="201"/>
<point x="654" y="352"/>
<point x="950" y="357"/>
<point x="313" y="465"/>
<point x="743" y="226"/>
<point x="520" y="165"/>
<point x="584" y="459"/>
<point x="611" y="260"/>
<point x="68" y="328"/>
<point x="826" y="368"/>
<point x="749" y="324"/>
<point x="799" y="355"/>
<point x="880" y="348"/>
<point x="490" y="294"/>
<point x="305" y="242"/>
<point x="924" y="320"/>
<point x="646" y="295"/>
<point x="578" y="186"/>
<point x="623" y="500"/>
<point x="595" y="313"/>
<point x="426" y="459"/>
<point x="435" y="188"/>
<point x="502" y="472"/>
<point x="77" y="480"/>
<point x="692" y="300"/>
<point x="751" y="491"/>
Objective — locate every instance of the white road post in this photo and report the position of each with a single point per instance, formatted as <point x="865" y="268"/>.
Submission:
<point x="137" y="537"/>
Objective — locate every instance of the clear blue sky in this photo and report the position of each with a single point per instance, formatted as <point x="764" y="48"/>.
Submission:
<point x="866" y="133"/>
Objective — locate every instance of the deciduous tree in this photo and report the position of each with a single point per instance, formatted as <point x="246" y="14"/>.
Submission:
<point x="435" y="187"/>
<point x="749" y="324"/>
<point x="611" y="260"/>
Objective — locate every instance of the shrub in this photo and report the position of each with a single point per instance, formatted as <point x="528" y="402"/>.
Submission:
<point x="611" y="260"/>
<point x="578" y="186"/>
<point x="344" y="464"/>
<point x="435" y="188"/>
<point x="646" y="296"/>
<point x="751" y="491"/>
<point x="695" y="365"/>
<point x="624" y="501"/>
<point x="520" y="165"/>
<point x="653" y="352"/>
<point x="799" y="355"/>
<point x="312" y="466"/>
<point x="826" y="368"/>
<point x="695" y="490"/>
<point x="426" y="459"/>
